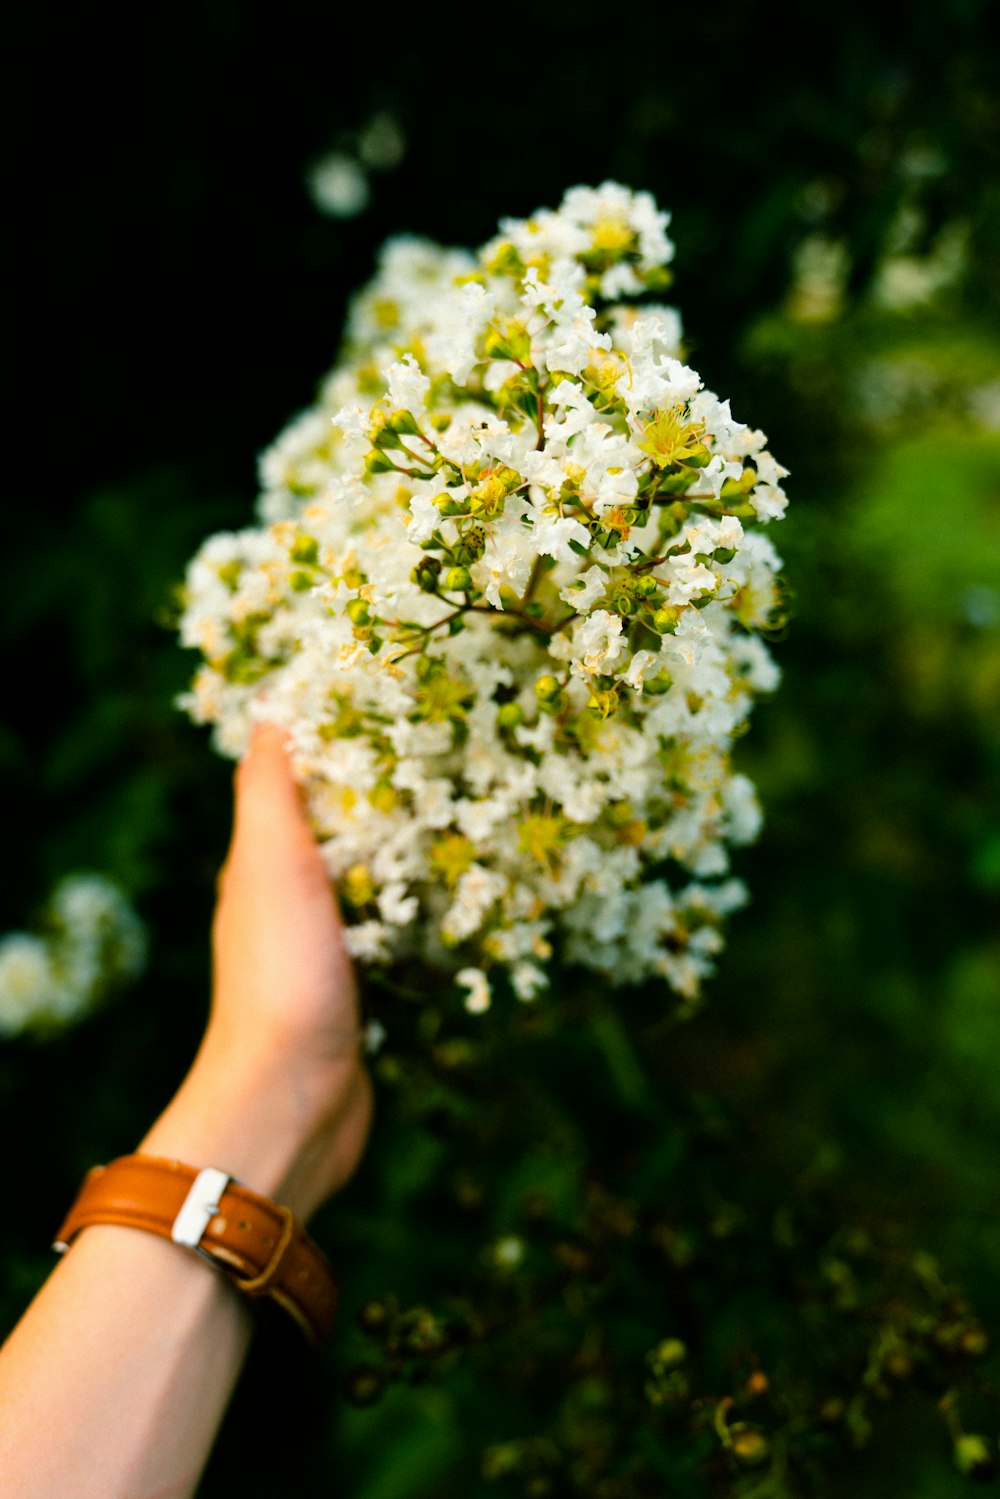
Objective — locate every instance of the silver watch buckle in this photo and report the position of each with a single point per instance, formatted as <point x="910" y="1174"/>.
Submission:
<point x="199" y="1207"/>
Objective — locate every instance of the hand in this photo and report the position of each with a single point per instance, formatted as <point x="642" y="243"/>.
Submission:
<point x="282" y="976"/>
<point x="283" y="1051"/>
<point x="133" y="1341"/>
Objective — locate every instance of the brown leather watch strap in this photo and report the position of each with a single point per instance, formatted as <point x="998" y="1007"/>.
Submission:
<point x="262" y="1247"/>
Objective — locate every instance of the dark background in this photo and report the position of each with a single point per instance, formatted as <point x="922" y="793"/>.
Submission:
<point x="172" y="298"/>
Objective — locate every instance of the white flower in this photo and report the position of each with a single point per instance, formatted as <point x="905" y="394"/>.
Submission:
<point x="527" y="980"/>
<point x="395" y="907"/>
<point x="368" y="941"/>
<point x="508" y="1252"/>
<point x="407" y="385"/>
<point x="93" y="944"/>
<point x="501" y="599"/>
<point x="353" y="420"/>
<point x="638" y="667"/>
<point x="338" y="186"/>
<point x="743" y="815"/>
<point x="453" y="344"/>
<point x="585" y="589"/>
<point x="478" y="999"/>
<point x="552" y="535"/>
<point x="426" y="517"/>
<point x="373" y="1036"/>
<point x="769" y="501"/>
<point x="478" y="891"/>
<point x="597" y="640"/>
<point x="576" y="412"/>
<point x="382" y="143"/>
<point x="29" y="986"/>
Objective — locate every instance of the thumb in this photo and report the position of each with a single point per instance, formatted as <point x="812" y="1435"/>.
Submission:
<point x="269" y="820"/>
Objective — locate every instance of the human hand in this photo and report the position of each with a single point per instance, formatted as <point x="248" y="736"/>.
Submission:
<point x="282" y="976"/>
<point x="132" y="1341"/>
<point x="282" y="1054"/>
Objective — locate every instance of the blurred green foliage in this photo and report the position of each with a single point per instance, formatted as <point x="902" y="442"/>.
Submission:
<point x="800" y="1184"/>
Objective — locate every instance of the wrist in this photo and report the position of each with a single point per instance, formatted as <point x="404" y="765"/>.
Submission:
<point x="270" y="1125"/>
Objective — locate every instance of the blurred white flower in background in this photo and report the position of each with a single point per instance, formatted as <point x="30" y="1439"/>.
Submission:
<point x="339" y="186"/>
<point x="907" y="278"/>
<point x="820" y="268"/>
<point x="338" y="182"/>
<point x="90" y="943"/>
<point x="381" y="143"/>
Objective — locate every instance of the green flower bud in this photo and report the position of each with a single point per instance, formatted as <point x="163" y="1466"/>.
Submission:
<point x="305" y="549"/>
<point x="974" y="1456"/>
<point x="619" y="814"/>
<point x="645" y="586"/>
<point x="383" y="438"/>
<point x="749" y="1446"/>
<point x="363" y="1385"/>
<point x="357" y="612"/>
<point x="377" y="463"/>
<point x="974" y="1341"/>
<point x="374" y="1316"/>
<point x="509" y="715"/>
<point x="547" y="689"/>
<point x="669" y="1353"/>
<point x="404" y="423"/>
<point x="457" y="579"/>
<point x="657" y="278"/>
<point x="665" y="619"/>
<point x="423" y="1333"/>
<point x="301" y="580"/>
<point x="425" y="574"/>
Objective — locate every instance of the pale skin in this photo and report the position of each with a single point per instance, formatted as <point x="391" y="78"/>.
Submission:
<point x="115" y="1381"/>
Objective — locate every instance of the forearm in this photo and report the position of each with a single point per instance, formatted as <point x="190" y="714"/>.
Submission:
<point x="115" y="1381"/>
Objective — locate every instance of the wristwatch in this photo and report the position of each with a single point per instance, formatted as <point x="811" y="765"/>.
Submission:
<point x="261" y="1247"/>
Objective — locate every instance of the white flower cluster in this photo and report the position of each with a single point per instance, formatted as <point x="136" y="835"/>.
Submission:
<point x="507" y="594"/>
<point x="93" y="943"/>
